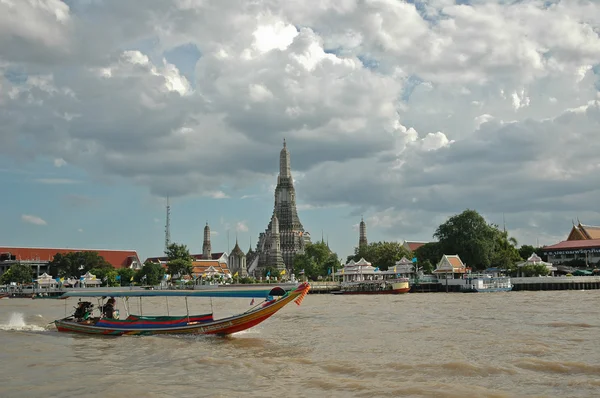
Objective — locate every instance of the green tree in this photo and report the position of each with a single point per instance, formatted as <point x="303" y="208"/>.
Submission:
<point x="381" y="254"/>
<point x="176" y="251"/>
<point x="18" y="273"/>
<point x="108" y="276"/>
<point x="526" y="251"/>
<point x="126" y="275"/>
<point x="179" y="261"/>
<point x="150" y="274"/>
<point x="180" y="267"/>
<point x="76" y="264"/>
<point x="468" y="235"/>
<point x="317" y="260"/>
<point x="306" y="265"/>
<point x="505" y="255"/>
<point x="534" y="270"/>
<point x="428" y="256"/>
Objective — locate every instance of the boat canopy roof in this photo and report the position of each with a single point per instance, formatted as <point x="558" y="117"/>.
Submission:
<point x="239" y="293"/>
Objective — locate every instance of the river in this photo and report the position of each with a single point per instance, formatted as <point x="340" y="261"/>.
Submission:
<point x="515" y="344"/>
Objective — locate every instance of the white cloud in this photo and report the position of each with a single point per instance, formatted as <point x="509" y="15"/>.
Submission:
<point x="388" y="107"/>
<point x="30" y="219"/>
<point x="80" y="230"/>
<point x="241" y="226"/>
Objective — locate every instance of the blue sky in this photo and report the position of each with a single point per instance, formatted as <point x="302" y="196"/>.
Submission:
<point x="81" y="212"/>
<point x="404" y="112"/>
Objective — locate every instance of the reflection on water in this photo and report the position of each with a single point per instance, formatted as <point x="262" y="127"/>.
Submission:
<point x="518" y="344"/>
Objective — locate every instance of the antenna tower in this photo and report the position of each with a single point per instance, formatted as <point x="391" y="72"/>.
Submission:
<point x="168" y="227"/>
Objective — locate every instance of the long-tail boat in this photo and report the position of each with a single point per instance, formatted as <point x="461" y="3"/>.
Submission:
<point x="83" y="320"/>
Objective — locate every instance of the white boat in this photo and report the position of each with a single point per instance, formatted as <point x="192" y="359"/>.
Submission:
<point x="485" y="283"/>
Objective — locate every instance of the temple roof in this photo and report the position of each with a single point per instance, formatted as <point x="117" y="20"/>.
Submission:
<point x="584" y="232"/>
<point x="573" y="244"/>
<point x="450" y="263"/>
<point x="237" y="250"/>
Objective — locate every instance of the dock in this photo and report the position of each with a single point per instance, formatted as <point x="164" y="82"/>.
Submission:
<point x="324" y="287"/>
<point x="556" y="283"/>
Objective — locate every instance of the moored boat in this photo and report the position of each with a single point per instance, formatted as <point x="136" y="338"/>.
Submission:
<point x="395" y="286"/>
<point x="481" y="283"/>
<point x="83" y="320"/>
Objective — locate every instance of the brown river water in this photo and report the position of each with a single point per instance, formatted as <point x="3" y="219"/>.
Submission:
<point x="515" y="344"/>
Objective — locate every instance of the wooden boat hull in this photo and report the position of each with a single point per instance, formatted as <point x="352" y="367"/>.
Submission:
<point x="219" y="327"/>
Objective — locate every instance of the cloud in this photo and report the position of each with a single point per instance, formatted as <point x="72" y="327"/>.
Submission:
<point x="30" y="219"/>
<point x="406" y="112"/>
<point x="241" y="226"/>
<point x="80" y="230"/>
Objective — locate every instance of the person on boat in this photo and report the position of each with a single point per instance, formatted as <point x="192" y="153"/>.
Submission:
<point x="109" y="309"/>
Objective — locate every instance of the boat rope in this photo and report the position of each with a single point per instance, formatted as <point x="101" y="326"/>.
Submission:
<point x="141" y="312"/>
<point x="167" y="299"/>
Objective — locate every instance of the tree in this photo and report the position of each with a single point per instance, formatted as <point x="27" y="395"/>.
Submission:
<point x="108" y="276"/>
<point x="150" y="274"/>
<point x="126" y="275"/>
<point x="75" y="264"/>
<point x="381" y="254"/>
<point x="468" y="235"/>
<point x="535" y="270"/>
<point x="505" y="255"/>
<point x="428" y="255"/>
<point x="179" y="261"/>
<point x="18" y="273"/>
<point x="180" y="267"/>
<point x="317" y="260"/>
<point x="175" y="251"/>
<point x="526" y="251"/>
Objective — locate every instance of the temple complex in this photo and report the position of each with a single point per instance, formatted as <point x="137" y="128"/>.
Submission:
<point x="583" y="243"/>
<point x="285" y="236"/>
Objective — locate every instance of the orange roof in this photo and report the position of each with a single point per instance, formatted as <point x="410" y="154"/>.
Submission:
<point x="412" y="246"/>
<point x="200" y="267"/>
<point x="584" y="232"/>
<point x="573" y="244"/>
<point x="117" y="258"/>
<point x="162" y="259"/>
<point x="456" y="263"/>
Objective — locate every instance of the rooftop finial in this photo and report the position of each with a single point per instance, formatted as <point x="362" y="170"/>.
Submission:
<point x="284" y="143"/>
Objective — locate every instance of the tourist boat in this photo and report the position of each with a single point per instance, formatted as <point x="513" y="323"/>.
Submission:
<point x="83" y="320"/>
<point x="480" y="283"/>
<point x="395" y="286"/>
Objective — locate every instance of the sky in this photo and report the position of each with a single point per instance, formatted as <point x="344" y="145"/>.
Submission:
<point x="403" y="112"/>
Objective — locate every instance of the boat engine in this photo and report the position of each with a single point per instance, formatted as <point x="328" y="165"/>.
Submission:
<point x="83" y="311"/>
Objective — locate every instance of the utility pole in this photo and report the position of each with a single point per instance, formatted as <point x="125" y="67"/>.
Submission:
<point x="168" y="227"/>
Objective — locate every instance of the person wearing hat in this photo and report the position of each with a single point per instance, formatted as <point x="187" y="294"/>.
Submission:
<point x="109" y="309"/>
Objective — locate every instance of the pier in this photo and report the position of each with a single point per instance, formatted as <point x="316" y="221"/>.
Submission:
<point x="556" y="283"/>
<point x="324" y="287"/>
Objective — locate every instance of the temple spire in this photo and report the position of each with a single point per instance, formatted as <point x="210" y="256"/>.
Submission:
<point x="206" y="249"/>
<point x="284" y="162"/>
<point x="362" y="240"/>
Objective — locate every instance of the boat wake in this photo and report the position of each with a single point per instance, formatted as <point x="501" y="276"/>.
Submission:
<point x="16" y="322"/>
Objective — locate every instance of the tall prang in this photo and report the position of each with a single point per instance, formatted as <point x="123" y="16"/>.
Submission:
<point x="362" y="240"/>
<point x="291" y="235"/>
<point x="206" y="249"/>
